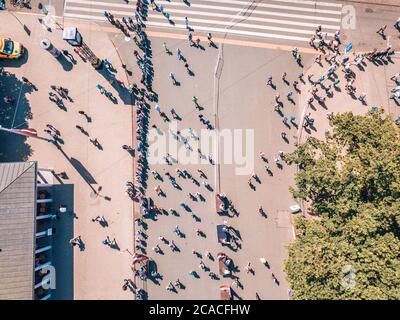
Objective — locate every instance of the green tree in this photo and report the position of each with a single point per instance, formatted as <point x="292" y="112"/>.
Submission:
<point x="351" y="181"/>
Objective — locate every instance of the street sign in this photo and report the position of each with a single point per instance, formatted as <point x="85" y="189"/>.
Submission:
<point x="348" y="48"/>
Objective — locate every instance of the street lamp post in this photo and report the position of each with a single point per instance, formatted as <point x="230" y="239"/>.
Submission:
<point x="48" y="46"/>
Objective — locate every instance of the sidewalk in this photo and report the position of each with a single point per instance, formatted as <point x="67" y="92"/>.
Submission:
<point x="98" y="271"/>
<point x="360" y="29"/>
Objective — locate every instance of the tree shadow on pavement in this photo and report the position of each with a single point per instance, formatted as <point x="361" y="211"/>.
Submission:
<point x="14" y="147"/>
<point x="123" y="92"/>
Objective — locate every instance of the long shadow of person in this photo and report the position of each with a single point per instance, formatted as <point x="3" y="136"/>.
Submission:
<point x="81" y="245"/>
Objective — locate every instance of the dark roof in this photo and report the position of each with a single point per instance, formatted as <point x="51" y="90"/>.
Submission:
<point x="17" y="229"/>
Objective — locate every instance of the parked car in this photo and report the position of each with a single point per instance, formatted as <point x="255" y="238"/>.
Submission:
<point x="10" y="49"/>
<point x="295" y="208"/>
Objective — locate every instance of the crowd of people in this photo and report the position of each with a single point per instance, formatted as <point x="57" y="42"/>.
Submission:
<point x="322" y="87"/>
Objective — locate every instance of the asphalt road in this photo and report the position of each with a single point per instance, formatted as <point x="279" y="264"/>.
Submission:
<point x="244" y="103"/>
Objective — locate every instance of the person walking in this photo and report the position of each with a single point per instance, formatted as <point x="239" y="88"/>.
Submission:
<point x="311" y="42"/>
<point x="209" y="38"/>
<point x="248" y="268"/>
<point x="8" y="99"/>
<point x="187" y="23"/>
<point x="179" y="53"/>
<point x="274" y="279"/>
<point x="107" y="241"/>
<point x="156" y="249"/>
<point x="27" y="82"/>
<point x="166" y="48"/>
<point x="172" y="77"/>
<point x="52" y="129"/>
<point x="397" y="24"/>
<point x="362" y="97"/>
<point x="178" y="283"/>
<point x="381" y="30"/>
<point x="75" y="241"/>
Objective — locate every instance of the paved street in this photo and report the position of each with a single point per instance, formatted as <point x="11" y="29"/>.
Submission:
<point x="239" y="109"/>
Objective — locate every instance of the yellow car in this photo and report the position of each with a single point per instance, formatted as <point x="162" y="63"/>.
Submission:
<point x="10" y="49"/>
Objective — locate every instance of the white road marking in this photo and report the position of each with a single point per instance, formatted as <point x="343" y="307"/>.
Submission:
<point x="215" y="18"/>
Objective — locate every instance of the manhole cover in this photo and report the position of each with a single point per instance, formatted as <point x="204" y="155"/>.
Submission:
<point x="369" y="10"/>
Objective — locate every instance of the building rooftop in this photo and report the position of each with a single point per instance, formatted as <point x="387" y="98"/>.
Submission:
<point x="17" y="229"/>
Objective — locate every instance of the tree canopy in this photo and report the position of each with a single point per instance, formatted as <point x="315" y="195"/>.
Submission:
<point x="351" y="181"/>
